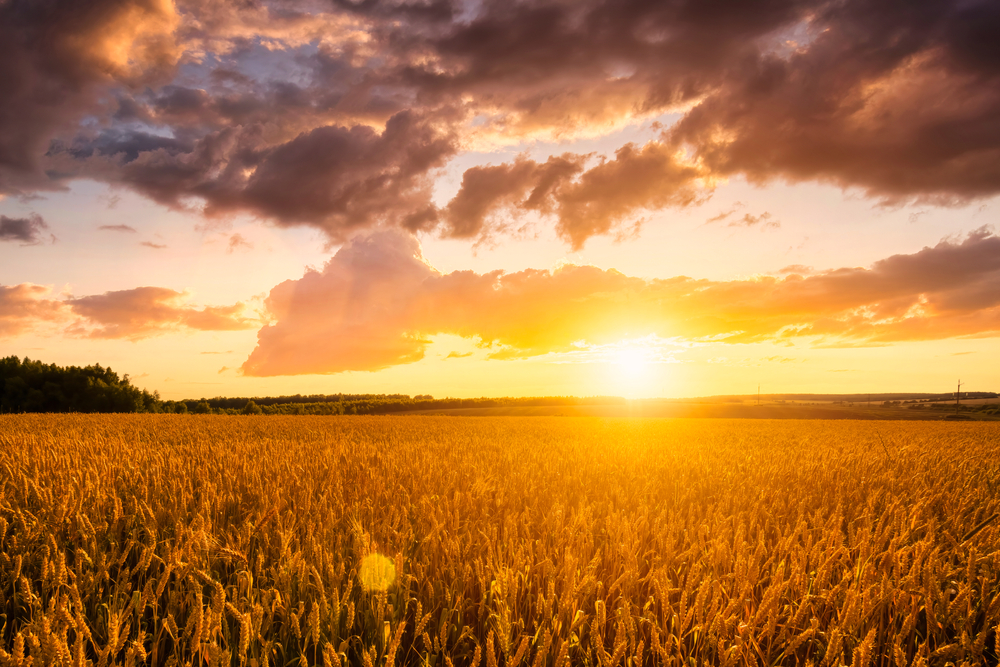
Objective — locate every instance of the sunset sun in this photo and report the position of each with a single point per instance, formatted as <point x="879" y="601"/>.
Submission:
<point x="632" y="362"/>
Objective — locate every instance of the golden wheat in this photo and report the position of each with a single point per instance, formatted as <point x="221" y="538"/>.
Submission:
<point x="183" y="540"/>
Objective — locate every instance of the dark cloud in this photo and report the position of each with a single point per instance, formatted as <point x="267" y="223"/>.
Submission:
<point x="603" y="199"/>
<point x="118" y="228"/>
<point x="557" y="66"/>
<point x="342" y="178"/>
<point x="523" y="185"/>
<point x="377" y="303"/>
<point x="338" y="115"/>
<point x="334" y="177"/>
<point x="897" y="98"/>
<point x="124" y="146"/>
<point x="56" y="57"/>
<point x="29" y="231"/>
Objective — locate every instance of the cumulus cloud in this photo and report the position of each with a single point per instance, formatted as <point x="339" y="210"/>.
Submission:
<point x="900" y="100"/>
<point x="355" y="313"/>
<point x="338" y="115"/>
<point x="131" y="314"/>
<point x="55" y="60"/>
<point x="583" y="202"/>
<point x="343" y="178"/>
<point x="334" y="177"/>
<point x="29" y="231"/>
<point x="377" y="303"/>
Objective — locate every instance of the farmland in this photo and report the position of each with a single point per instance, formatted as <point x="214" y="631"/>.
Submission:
<point x="497" y="542"/>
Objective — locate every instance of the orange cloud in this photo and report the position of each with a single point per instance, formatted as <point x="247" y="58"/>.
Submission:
<point x="377" y="303"/>
<point x="148" y="311"/>
<point x="24" y="306"/>
<point x="133" y="314"/>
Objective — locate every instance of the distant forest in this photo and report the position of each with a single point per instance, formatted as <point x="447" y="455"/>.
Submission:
<point x="366" y="404"/>
<point x="33" y="386"/>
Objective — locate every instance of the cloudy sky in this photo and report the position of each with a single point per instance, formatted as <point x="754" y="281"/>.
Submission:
<point x="503" y="197"/>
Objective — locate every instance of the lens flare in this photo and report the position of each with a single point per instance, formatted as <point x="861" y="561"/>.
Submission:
<point x="377" y="572"/>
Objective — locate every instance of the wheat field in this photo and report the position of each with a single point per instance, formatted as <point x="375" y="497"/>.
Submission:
<point x="496" y="542"/>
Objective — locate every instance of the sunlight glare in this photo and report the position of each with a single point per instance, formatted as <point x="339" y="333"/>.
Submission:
<point x="377" y="572"/>
<point x="635" y="368"/>
<point x="632" y="361"/>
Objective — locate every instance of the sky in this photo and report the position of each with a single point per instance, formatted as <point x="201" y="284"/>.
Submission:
<point x="638" y="198"/>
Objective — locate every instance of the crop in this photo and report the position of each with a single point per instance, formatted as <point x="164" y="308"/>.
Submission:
<point x="527" y="542"/>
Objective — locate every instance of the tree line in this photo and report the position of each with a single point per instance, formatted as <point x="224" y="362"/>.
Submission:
<point x="33" y="386"/>
<point x="365" y="404"/>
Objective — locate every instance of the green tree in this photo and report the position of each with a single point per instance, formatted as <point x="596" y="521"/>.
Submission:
<point x="32" y="386"/>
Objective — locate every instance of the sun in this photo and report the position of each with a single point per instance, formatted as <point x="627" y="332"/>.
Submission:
<point x="632" y="371"/>
<point x="632" y="361"/>
<point x="636" y="367"/>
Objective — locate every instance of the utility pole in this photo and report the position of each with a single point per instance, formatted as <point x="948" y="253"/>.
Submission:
<point x="958" y="394"/>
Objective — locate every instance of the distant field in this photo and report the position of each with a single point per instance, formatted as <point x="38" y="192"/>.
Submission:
<point x="720" y="410"/>
<point x="497" y="542"/>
